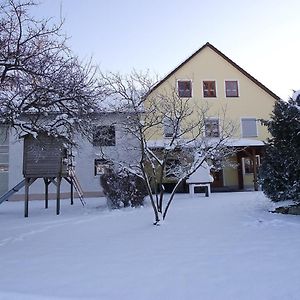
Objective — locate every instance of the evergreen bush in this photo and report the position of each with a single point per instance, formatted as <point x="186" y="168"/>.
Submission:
<point x="280" y="169"/>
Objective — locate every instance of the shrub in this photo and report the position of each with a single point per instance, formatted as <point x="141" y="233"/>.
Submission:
<point x="123" y="189"/>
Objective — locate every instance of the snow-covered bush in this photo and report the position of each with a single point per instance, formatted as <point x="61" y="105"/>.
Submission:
<point x="123" y="189"/>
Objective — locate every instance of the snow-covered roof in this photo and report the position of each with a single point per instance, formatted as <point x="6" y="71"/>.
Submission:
<point x="117" y="103"/>
<point x="163" y="143"/>
<point x="244" y="143"/>
<point x="201" y="175"/>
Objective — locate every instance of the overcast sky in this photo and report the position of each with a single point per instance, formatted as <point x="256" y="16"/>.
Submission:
<point x="261" y="36"/>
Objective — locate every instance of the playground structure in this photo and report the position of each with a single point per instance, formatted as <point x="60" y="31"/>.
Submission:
<point x="48" y="158"/>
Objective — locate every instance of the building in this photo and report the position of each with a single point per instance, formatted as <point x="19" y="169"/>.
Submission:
<point x="108" y="140"/>
<point x="209" y="78"/>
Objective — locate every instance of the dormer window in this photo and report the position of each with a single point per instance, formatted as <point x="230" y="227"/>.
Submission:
<point x="184" y="88"/>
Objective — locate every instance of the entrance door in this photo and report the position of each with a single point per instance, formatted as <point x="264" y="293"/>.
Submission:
<point x="249" y="173"/>
<point x="3" y="159"/>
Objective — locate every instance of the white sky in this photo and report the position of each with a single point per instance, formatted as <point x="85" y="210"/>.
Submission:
<point x="261" y="36"/>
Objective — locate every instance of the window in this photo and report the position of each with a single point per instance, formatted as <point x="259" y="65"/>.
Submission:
<point x="101" y="165"/>
<point x="4" y="150"/>
<point x="170" y="127"/>
<point x="209" y="89"/>
<point x="248" y="165"/>
<point x="104" y="136"/>
<point x="249" y="127"/>
<point x="212" y="127"/>
<point x="231" y="88"/>
<point x="185" y="88"/>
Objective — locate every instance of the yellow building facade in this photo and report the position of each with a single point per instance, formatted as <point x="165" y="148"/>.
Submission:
<point x="211" y="79"/>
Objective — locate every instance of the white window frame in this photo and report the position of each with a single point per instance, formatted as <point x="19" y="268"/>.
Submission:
<point x="258" y="162"/>
<point x="167" y="128"/>
<point x="100" y="166"/>
<point x="212" y="119"/>
<point x="202" y="88"/>
<point x="165" y="120"/>
<point x="248" y="118"/>
<point x="238" y="86"/>
<point x="192" y="87"/>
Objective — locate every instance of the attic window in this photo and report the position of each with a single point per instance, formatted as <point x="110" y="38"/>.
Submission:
<point x="231" y="88"/>
<point x="185" y="88"/>
<point x="209" y="89"/>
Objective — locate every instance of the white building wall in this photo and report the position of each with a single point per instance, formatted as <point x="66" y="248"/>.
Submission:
<point x="125" y="151"/>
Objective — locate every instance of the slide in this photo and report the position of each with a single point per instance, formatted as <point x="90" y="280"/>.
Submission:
<point x="12" y="191"/>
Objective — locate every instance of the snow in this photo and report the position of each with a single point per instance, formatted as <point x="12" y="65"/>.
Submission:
<point x="242" y="142"/>
<point x="202" y="174"/>
<point x="227" y="246"/>
<point x="295" y="95"/>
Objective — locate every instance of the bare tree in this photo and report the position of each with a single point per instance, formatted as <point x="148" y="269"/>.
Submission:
<point x="43" y="86"/>
<point x="179" y="122"/>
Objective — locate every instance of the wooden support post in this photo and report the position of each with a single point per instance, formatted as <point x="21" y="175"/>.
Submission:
<point x="27" y="184"/>
<point x="206" y="191"/>
<point x="58" y="196"/>
<point x="47" y="181"/>
<point x="72" y="191"/>
<point x="254" y="170"/>
<point x="71" y="182"/>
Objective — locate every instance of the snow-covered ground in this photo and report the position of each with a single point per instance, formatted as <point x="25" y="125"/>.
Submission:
<point x="227" y="246"/>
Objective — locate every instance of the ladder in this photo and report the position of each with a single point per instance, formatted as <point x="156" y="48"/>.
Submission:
<point x="77" y="186"/>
